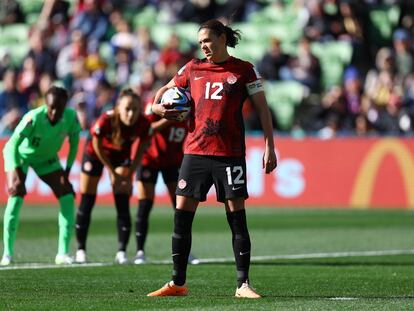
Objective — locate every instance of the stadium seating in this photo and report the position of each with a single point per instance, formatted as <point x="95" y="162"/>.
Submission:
<point x="283" y="97"/>
<point x="14" y="40"/>
<point x="31" y="6"/>
<point x="382" y="22"/>
<point x="333" y="57"/>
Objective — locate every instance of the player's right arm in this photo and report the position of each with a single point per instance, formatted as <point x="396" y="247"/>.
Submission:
<point x="162" y="109"/>
<point x="23" y="130"/>
<point x="99" y="150"/>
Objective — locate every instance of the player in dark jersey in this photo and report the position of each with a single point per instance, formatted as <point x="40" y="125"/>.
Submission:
<point x="164" y="155"/>
<point x="214" y="150"/>
<point x="35" y="143"/>
<point x="109" y="145"/>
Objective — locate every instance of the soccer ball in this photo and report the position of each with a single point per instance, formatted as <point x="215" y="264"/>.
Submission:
<point x="179" y="99"/>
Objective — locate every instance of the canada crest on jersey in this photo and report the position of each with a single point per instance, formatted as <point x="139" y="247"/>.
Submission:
<point x="231" y="79"/>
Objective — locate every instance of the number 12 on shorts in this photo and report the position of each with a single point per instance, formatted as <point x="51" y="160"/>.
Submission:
<point x="238" y="172"/>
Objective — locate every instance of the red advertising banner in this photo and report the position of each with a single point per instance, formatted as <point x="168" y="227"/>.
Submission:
<point x="346" y="172"/>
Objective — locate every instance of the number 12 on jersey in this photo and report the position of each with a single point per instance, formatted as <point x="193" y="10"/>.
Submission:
<point x="213" y="90"/>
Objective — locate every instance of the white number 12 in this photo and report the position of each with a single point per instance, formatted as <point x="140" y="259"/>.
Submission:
<point x="217" y="86"/>
<point x="237" y="180"/>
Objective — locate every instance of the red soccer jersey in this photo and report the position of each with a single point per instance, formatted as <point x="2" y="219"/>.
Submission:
<point x="122" y="151"/>
<point x="218" y="91"/>
<point x="166" y="148"/>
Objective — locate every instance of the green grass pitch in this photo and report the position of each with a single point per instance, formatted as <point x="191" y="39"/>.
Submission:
<point x="303" y="259"/>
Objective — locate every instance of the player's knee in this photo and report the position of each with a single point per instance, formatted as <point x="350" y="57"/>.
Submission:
<point x="144" y="208"/>
<point x="183" y="221"/>
<point x="64" y="187"/>
<point x="125" y="220"/>
<point x="17" y="189"/>
<point x="242" y="236"/>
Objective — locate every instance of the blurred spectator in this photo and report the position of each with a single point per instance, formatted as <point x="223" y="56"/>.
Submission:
<point x="123" y="65"/>
<point x="144" y="84"/>
<point x="13" y="103"/>
<point x="353" y="97"/>
<point x="79" y="103"/>
<point x="377" y="78"/>
<point x="170" y="60"/>
<point x="104" y="98"/>
<point x="146" y="51"/>
<point x="5" y="62"/>
<point x="123" y="37"/>
<point x="43" y="56"/>
<point x="190" y="11"/>
<point x="304" y="67"/>
<point x="55" y="18"/>
<point x="272" y="61"/>
<point x="45" y="82"/>
<point x="332" y="15"/>
<point x="123" y="43"/>
<point x="237" y="10"/>
<point x="355" y="32"/>
<point x="54" y="12"/>
<point x="333" y="112"/>
<point x="404" y="53"/>
<point x="10" y="12"/>
<point x="91" y="21"/>
<point x="28" y="78"/>
<point x="317" y="28"/>
<point x="75" y="51"/>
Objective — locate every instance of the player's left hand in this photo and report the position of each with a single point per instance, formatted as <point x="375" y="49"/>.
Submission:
<point x="269" y="160"/>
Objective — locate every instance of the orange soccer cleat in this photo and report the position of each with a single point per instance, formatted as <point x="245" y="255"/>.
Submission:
<point x="170" y="289"/>
<point x="245" y="291"/>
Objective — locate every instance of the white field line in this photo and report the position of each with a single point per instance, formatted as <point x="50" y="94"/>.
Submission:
<point x="306" y="256"/>
<point x="34" y="266"/>
<point x="228" y="259"/>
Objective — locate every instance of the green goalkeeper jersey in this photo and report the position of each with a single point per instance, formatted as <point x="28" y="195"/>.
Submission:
<point x="38" y="140"/>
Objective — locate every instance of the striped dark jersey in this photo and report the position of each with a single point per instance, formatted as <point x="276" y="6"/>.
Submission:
<point x="166" y="148"/>
<point x="219" y="91"/>
<point x="129" y="134"/>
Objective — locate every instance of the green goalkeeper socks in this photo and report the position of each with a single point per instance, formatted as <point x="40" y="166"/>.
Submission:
<point x="66" y="222"/>
<point x="10" y="223"/>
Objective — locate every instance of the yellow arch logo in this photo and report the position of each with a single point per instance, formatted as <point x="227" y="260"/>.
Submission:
<point x="365" y="180"/>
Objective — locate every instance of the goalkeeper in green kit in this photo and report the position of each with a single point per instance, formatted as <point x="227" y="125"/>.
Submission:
<point x="35" y="143"/>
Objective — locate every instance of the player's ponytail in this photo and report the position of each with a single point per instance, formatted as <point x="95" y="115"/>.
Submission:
<point x="218" y="28"/>
<point x="116" y="121"/>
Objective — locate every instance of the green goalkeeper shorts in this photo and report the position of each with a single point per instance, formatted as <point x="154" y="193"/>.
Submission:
<point x="41" y="168"/>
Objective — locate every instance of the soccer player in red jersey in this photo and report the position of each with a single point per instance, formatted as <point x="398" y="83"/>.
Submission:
<point x="109" y="145"/>
<point x="164" y="155"/>
<point x="214" y="150"/>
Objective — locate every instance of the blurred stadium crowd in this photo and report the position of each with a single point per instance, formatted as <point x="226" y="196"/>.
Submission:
<point x="331" y="67"/>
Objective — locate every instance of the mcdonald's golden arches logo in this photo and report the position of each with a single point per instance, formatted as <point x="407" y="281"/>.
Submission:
<point x="365" y="180"/>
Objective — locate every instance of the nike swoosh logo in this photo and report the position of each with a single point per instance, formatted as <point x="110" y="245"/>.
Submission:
<point x="198" y="78"/>
<point x="241" y="254"/>
<point x="237" y="188"/>
<point x="175" y="254"/>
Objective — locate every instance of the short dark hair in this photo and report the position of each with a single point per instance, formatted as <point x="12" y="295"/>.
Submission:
<point x="218" y="28"/>
<point x="58" y="92"/>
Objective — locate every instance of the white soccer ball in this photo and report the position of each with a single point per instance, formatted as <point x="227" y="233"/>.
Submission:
<point x="179" y="99"/>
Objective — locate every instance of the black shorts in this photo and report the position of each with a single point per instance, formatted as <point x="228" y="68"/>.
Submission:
<point x="198" y="173"/>
<point x="93" y="167"/>
<point x="150" y="175"/>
